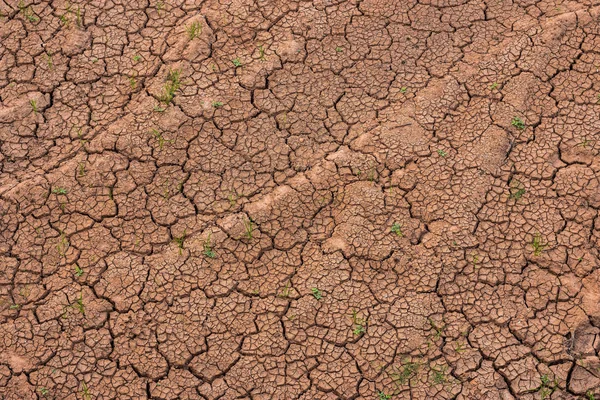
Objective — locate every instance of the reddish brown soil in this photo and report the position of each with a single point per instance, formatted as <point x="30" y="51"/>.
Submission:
<point x="279" y="199"/>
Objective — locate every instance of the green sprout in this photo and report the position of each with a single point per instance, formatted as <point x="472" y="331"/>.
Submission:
<point x="207" y="246"/>
<point x="194" y="30"/>
<point x="397" y="229"/>
<point x="316" y="293"/>
<point x="518" y="123"/>
<point x="538" y="246"/>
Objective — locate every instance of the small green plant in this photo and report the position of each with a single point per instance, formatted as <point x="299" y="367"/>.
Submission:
<point x="137" y="58"/>
<point x="248" y="228"/>
<point x="81" y="169"/>
<point x="459" y="348"/>
<point x="598" y="98"/>
<point x="78" y="19"/>
<point x="78" y="305"/>
<point x="382" y="396"/>
<point x="538" y="246"/>
<point x="261" y="53"/>
<point x="237" y="62"/>
<point x="27" y="12"/>
<point x="63" y="244"/>
<point x="172" y="85"/>
<point x="194" y="30"/>
<point x="516" y="189"/>
<point x="494" y="86"/>
<point x="585" y="143"/>
<point x="442" y="153"/>
<point x="132" y="82"/>
<point x="439" y="375"/>
<point x="160" y="138"/>
<point x="78" y="270"/>
<point x="287" y="291"/>
<point x="339" y="49"/>
<point x="403" y="89"/>
<point x="207" y="246"/>
<point x="49" y="61"/>
<point x="85" y="393"/>
<point x="14" y="307"/>
<point x="397" y="229"/>
<point x="590" y="395"/>
<point x="217" y="104"/>
<point x="359" y="324"/>
<point x="43" y="391"/>
<point x="33" y="104"/>
<point x="405" y="373"/>
<point x="159" y="109"/>
<point x="547" y="387"/>
<point x="316" y="293"/>
<point x="518" y="123"/>
<point x="179" y="241"/>
<point x="159" y="6"/>
<point x="439" y="329"/>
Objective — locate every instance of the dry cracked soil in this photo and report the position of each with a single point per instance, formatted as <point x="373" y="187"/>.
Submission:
<point x="285" y="199"/>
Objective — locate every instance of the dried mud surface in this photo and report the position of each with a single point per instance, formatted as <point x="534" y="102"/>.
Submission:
<point x="279" y="199"/>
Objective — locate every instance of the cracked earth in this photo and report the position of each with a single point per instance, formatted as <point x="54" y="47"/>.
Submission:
<point x="273" y="199"/>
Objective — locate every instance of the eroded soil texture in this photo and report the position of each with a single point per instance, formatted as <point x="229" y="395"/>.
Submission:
<point x="279" y="199"/>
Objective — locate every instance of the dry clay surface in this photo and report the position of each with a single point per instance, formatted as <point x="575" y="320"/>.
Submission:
<point x="279" y="199"/>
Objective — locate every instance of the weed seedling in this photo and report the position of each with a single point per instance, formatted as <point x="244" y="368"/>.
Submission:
<point x="285" y="293"/>
<point x="237" y="62"/>
<point x="459" y="348"/>
<point x="14" y="306"/>
<point x="207" y="246"/>
<point x="79" y="306"/>
<point x="538" y="246"/>
<point x="439" y="330"/>
<point x="132" y="82"/>
<point x="217" y="104"/>
<point x="194" y="30"/>
<point x="359" y="324"/>
<point x="439" y="375"/>
<point x="78" y="19"/>
<point x="442" y="153"/>
<point x="179" y="240"/>
<point x="338" y="49"/>
<point x="547" y="387"/>
<point x="85" y="393"/>
<point x="516" y="189"/>
<point x="81" y="169"/>
<point x="405" y="373"/>
<point x="63" y="244"/>
<point x="261" y="53"/>
<point x="316" y="293"/>
<point x="159" y="109"/>
<point x="43" y="391"/>
<point x="33" y="104"/>
<point x="28" y="12"/>
<point x="382" y="396"/>
<point x="590" y="395"/>
<point x="494" y="86"/>
<point x="160" y="138"/>
<point x="403" y="89"/>
<point x="137" y="58"/>
<point x="248" y="228"/>
<point x="172" y="85"/>
<point x="585" y="143"/>
<point x="397" y="229"/>
<point x="78" y="271"/>
<point x="49" y="61"/>
<point x="518" y="123"/>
